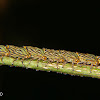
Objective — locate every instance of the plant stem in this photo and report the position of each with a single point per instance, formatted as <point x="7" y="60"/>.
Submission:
<point x="67" y="69"/>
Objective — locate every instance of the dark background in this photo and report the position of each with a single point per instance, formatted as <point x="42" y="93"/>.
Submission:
<point x="72" y="26"/>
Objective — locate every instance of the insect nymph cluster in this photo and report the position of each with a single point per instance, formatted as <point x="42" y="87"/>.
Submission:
<point x="49" y="55"/>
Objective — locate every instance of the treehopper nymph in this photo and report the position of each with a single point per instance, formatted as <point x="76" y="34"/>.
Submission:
<point x="70" y="57"/>
<point x="53" y="56"/>
<point x="35" y="53"/>
<point x="17" y="52"/>
<point x="3" y="52"/>
<point x="88" y="59"/>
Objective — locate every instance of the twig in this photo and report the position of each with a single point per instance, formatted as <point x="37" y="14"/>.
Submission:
<point x="67" y="69"/>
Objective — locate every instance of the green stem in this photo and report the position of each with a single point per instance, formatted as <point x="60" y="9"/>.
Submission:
<point x="67" y="69"/>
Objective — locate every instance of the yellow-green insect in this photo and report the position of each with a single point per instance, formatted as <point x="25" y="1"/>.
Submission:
<point x="98" y="59"/>
<point x="70" y="57"/>
<point x="35" y="53"/>
<point x="3" y="52"/>
<point x="88" y="59"/>
<point x="54" y="56"/>
<point x="17" y="52"/>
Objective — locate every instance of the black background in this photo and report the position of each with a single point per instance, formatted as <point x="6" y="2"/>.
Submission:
<point x="72" y="26"/>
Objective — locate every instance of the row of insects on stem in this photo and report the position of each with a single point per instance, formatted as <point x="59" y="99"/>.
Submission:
<point x="49" y="55"/>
